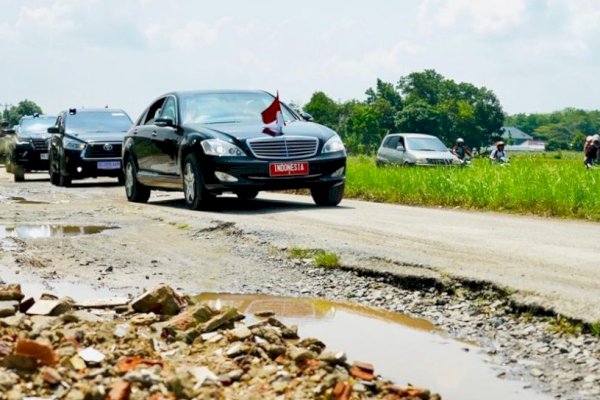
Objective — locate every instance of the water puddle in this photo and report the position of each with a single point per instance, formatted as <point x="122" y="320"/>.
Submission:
<point x="50" y="231"/>
<point x="404" y="349"/>
<point x="78" y="291"/>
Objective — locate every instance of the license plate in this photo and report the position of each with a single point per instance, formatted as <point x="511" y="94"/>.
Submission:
<point x="43" y="156"/>
<point x="288" y="169"/>
<point x="109" y="164"/>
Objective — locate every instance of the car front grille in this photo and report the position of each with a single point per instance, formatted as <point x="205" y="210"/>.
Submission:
<point x="439" y="161"/>
<point x="281" y="148"/>
<point x="40" y="144"/>
<point x="103" y="150"/>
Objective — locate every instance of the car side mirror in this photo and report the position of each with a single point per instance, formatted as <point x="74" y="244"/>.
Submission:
<point x="53" y="129"/>
<point x="306" y="116"/>
<point x="164" y="121"/>
<point x="400" y="148"/>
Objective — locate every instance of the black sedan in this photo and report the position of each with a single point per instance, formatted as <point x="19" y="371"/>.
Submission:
<point x="210" y="142"/>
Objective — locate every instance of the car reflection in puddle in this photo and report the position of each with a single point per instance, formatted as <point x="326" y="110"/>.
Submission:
<point x="403" y="349"/>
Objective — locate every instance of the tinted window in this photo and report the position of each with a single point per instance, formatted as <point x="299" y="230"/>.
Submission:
<point x="426" y="144"/>
<point x="393" y="142"/>
<point x="97" y="121"/>
<point x="215" y="108"/>
<point x="36" y="125"/>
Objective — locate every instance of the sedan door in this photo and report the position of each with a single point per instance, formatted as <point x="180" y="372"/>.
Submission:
<point x="144" y="135"/>
<point x="167" y="140"/>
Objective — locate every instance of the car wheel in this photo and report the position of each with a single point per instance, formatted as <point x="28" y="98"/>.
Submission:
<point x="18" y="173"/>
<point x="54" y="175"/>
<point x="378" y="163"/>
<point x="247" y="194"/>
<point x="135" y="191"/>
<point x="195" y="193"/>
<point x="328" y="196"/>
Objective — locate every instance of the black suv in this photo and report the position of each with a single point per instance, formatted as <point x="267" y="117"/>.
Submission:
<point x="86" y="143"/>
<point x="210" y="142"/>
<point x="28" y="148"/>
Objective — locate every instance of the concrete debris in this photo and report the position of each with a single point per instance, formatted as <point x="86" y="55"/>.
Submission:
<point x="168" y="350"/>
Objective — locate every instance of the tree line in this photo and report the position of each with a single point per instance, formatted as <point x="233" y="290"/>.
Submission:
<point x="423" y="102"/>
<point x="562" y="130"/>
<point x="11" y="115"/>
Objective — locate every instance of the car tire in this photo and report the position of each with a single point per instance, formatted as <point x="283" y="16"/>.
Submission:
<point x="54" y="175"/>
<point x="18" y="173"/>
<point x="328" y="196"/>
<point x="378" y="163"/>
<point x="135" y="191"/>
<point x="195" y="193"/>
<point x="246" y="194"/>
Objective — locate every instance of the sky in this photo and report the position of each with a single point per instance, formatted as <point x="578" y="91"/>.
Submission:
<point x="536" y="55"/>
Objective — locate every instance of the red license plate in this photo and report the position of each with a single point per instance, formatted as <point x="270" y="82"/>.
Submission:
<point x="288" y="169"/>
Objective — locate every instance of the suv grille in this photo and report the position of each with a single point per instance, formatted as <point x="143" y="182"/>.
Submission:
<point x="283" y="147"/>
<point x="40" y="144"/>
<point x="98" y="150"/>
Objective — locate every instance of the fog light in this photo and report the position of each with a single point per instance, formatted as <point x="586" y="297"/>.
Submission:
<point x="338" y="173"/>
<point x="223" y="177"/>
<point x="79" y="169"/>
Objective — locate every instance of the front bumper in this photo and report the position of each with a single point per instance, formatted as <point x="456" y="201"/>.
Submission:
<point x="323" y="170"/>
<point x="78" y="167"/>
<point x="30" y="158"/>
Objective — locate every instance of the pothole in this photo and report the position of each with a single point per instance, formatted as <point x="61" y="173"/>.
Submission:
<point x="403" y="349"/>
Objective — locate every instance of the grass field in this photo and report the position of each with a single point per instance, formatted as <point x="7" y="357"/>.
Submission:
<point x="541" y="184"/>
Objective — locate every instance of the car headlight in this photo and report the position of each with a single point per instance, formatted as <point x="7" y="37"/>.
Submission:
<point x="221" y="148"/>
<point x="21" y="141"/>
<point x="334" y="144"/>
<point x="421" y="161"/>
<point x="71" y="144"/>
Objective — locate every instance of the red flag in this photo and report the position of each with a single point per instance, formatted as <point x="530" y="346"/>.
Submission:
<point x="272" y="115"/>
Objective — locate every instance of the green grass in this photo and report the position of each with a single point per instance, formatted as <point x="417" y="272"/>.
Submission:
<point x="321" y="258"/>
<point x="554" y="184"/>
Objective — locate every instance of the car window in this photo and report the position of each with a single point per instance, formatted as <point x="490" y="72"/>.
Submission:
<point x="153" y="111"/>
<point x="97" y="121"/>
<point x="426" y="144"/>
<point x="168" y="109"/>
<point x="234" y="107"/>
<point x="392" y="142"/>
<point x="36" y="125"/>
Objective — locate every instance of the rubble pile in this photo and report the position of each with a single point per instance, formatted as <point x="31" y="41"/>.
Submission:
<point x="164" y="346"/>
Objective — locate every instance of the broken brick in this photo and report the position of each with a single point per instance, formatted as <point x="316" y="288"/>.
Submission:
<point x="41" y="352"/>
<point x="119" y="391"/>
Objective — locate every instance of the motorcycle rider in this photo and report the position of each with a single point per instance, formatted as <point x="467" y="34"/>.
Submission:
<point x="461" y="150"/>
<point x="498" y="155"/>
<point x="592" y="153"/>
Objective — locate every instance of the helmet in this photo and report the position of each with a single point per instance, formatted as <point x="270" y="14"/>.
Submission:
<point x="500" y="143"/>
<point x="460" y="141"/>
<point x="596" y="137"/>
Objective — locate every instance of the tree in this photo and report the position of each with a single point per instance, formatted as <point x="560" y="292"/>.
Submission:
<point x="25" y="107"/>
<point x="323" y="109"/>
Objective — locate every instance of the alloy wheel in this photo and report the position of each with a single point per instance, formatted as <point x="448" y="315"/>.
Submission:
<point x="189" y="179"/>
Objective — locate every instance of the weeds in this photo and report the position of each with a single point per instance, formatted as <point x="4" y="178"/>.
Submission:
<point x="595" y="329"/>
<point x="326" y="259"/>
<point x="321" y="258"/>
<point x="564" y="326"/>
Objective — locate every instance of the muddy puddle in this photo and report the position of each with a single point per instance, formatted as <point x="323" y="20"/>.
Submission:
<point x="50" y="231"/>
<point x="404" y="349"/>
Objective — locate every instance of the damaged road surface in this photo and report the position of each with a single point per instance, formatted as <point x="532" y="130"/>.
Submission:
<point x="400" y="258"/>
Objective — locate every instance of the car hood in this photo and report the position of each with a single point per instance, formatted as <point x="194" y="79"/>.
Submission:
<point x="33" y="135"/>
<point x="244" y="132"/>
<point x="92" y="137"/>
<point x="444" y="155"/>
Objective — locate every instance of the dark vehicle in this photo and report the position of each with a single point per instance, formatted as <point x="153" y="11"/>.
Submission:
<point x="86" y="143"/>
<point x="27" y="151"/>
<point x="210" y="142"/>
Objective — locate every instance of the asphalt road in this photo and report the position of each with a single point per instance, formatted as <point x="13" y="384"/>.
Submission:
<point x="551" y="262"/>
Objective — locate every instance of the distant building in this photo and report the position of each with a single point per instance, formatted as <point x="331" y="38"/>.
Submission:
<point x="514" y="136"/>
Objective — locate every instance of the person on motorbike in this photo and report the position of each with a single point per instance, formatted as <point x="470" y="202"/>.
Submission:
<point x="498" y="155"/>
<point x="461" y="150"/>
<point x="592" y="153"/>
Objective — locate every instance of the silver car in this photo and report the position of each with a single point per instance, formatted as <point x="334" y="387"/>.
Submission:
<point x="414" y="149"/>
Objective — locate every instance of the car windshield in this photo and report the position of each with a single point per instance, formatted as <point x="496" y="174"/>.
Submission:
<point x="223" y="108"/>
<point x="426" y="144"/>
<point x="98" y="121"/>
<point x="36" y="125"/>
